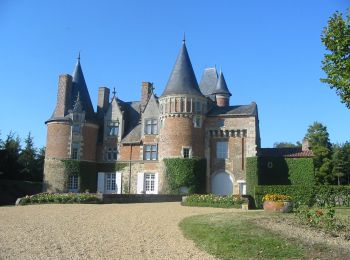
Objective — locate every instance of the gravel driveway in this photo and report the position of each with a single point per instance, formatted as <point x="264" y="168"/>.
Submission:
<point x="110" y="231"/>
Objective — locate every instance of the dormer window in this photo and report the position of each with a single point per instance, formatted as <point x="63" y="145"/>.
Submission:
<point x="76" y="128"/>
<point x="113" y="128"/>
<point x="151" y="126"/>
<point x="198" y="106"/>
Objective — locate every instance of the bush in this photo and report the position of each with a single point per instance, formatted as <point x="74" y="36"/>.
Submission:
<point x="307" y="195"/>
<point x="276" y="197"/>
<point x="211" y="200"/>
<point x="61" y="198"/>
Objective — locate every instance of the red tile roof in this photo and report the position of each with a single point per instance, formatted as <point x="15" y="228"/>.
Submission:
<point x="285" y="152"/>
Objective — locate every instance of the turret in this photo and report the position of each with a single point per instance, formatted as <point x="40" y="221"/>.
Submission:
<point x="182" y="112"/>
<point x="221" y="92"/>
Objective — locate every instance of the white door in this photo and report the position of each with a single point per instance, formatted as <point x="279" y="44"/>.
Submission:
<point x="221" y="184"/>
<point x="110" y="183"/>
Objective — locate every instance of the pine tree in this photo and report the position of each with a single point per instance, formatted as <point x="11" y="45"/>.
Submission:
<point x="318" y="137"/>
<point x="27" y="159"/>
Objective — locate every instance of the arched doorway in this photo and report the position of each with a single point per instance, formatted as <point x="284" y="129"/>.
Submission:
<point x="221" y="183"/>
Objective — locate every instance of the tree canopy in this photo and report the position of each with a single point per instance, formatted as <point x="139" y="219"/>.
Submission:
<point x="336" y="62"/>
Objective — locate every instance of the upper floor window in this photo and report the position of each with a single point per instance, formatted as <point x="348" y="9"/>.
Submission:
<point x="112" y="153"/>
<point x="197" y="121"/>
<point x="76" y="117"/>
<point x="220" y="123"/>
<point x="221" y="150"/>
<point x="151" y="126"/>
<point x="150" y="152"/>
<point x="113" y="128"/>
<point x="186" y="152"/>
<point x="75" y="152"/>
<point x="198" y="106"/>
<point x="76" y="128"/>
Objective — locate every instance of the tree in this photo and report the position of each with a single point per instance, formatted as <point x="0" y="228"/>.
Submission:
<point x="318" y="137"/>
<point x="341" y="163"/>
<point x="27" y="159"/>
<point x="336" y="62"/>
<point x="286" y="145"/>
<point x="9" y="154"/>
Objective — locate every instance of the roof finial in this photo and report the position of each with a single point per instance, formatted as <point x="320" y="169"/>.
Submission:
<point x="184" y="38"/>
<point x="114" y="92"/>
<point x="79" y="56"/>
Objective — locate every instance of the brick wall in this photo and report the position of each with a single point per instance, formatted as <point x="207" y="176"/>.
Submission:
<point x="58" y="136"/>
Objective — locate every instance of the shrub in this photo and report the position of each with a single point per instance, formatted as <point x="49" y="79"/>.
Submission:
<point x="276" y="197"/>
<point x="63" y="198"/>
<point x="211" y="200"/>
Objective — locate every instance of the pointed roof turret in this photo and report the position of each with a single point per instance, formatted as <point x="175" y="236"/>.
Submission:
<point x="79" y="86"/>
<point x="182" y="79"/>
<point x="221" y="86"/>
<point x="209" y="81"/>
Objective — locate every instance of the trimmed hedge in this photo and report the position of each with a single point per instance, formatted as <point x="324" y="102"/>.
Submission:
<point x="186" y="172"/>
<point x="211" y="200"/>
<point x="307" y="195"/>
<point x="279" y="171"/>
<point x="61" y="198"/>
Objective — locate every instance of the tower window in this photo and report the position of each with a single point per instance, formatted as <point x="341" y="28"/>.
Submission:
<point x="150" y="152"/>
<point x="113" y="128"/>
<point x="76" y="128"/>
<point x="186" y="152"/>
<point x="197" y="121"/>
<point x="221" y="150"/>
<point x="75" y="151"/>
<point x="73" y="183"/>
<point x="151" y="126"/>
<point x="112" y="153"/>
<point x="198" y="106"/>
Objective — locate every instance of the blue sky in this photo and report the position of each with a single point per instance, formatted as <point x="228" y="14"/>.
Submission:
<point x="270" y="53"/>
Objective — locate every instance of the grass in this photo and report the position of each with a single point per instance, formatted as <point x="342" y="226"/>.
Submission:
<point x="343" y="213"/>
<point x="235" y="236"/>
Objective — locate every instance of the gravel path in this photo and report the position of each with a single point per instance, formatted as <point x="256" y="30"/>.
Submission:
<point x="111" y="231"/>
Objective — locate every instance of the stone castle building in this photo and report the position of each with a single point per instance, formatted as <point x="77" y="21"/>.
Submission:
<point x="186" y="120"/>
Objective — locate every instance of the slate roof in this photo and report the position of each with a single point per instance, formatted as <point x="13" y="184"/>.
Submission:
<point x="208" y="82"/>
<point x="182" y="79"/>
<point x="221" y="86"/>
<point x="134" y="136"/>
<point x="243" y="110"/>
<point x="285" y="152"/>
<point x="79" y="85"/>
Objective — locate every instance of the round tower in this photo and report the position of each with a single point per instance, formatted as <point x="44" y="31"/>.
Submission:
<point x="182" y="112"/>
<point x="71" y="132"/>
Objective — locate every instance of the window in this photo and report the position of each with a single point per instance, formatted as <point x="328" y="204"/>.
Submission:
<point x="76" y="117"/>
<point x="151" y="126"/>
<point x="113" y="128"/>
<point x="186" y="152"/>
<point x="220" y="123"/>
<point x="221" y="150"/>
<point x="150" y="182"/>
<point x="76" y="128"/>
<point x="150" y="152"/>
<point x="198" y="106"/>
<point x="112" y="153"/>
<point x="75" y="151"/>
<point x="110" y="181"/>
<point x="73" y="183"/>
<point x="197" y="122"/>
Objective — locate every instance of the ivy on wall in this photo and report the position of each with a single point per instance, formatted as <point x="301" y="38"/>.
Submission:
<point x="186" y="172"/>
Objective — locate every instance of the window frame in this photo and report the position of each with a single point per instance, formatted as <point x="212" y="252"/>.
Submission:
<point x="151" y="126"/>
<point x="75" y="151"/>
<point x="184" y="152"/>
<point x="222" y="150"/>
<point x="73" y="183"/>
<point x="149" y="182"/>
<point x="150" y="152"/>
<point x="113" y="128"/>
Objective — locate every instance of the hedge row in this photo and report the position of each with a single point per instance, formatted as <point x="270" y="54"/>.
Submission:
<point x="186" y="172"/>
<point x="307" y="195"/>
<point x="211" y="200"/>
<point x="61" y="198"/>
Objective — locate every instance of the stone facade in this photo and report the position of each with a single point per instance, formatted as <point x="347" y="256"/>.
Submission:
<point x="187" y="120"/>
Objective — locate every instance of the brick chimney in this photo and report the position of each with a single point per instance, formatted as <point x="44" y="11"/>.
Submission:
<point x="146" y="90"/>
<point x="103" y="99"/>
<point x="63" y="95"/>
<point x="305" y="145"/>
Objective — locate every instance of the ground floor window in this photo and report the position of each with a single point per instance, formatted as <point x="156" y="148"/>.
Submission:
<point x="73" y="183"/>
<point x="110" y="181"/>
<point x="149" y="182"/>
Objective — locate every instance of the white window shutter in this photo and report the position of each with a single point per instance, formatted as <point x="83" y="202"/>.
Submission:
<point x="140" y="183"/>
<point x="156" y="180"/>
<point x="101" y="182"/>
<point x="118" y="182"/>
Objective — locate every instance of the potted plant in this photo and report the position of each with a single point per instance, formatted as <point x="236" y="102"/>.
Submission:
<point x="277" y="203"/>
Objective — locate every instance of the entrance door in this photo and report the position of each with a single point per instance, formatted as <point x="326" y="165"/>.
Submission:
<point x="222" y="184"/>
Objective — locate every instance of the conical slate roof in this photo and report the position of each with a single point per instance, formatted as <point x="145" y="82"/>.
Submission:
<point x="79" y="86"/>
<point x="221" y="86"/>
<point x="182" y="79"/>
<point x="209" y="81"/>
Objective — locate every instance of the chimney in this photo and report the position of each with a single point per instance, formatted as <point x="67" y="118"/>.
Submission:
<point x="63" y="95"/>
<point x="146" y="90"/>
<point x="222" y="100"/>
<point x="305" y="145"/>
<point x="103" y="99"/>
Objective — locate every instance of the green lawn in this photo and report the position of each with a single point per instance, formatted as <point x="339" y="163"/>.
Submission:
<point x="235" y="236"/>
<point x="343" y="213"/>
